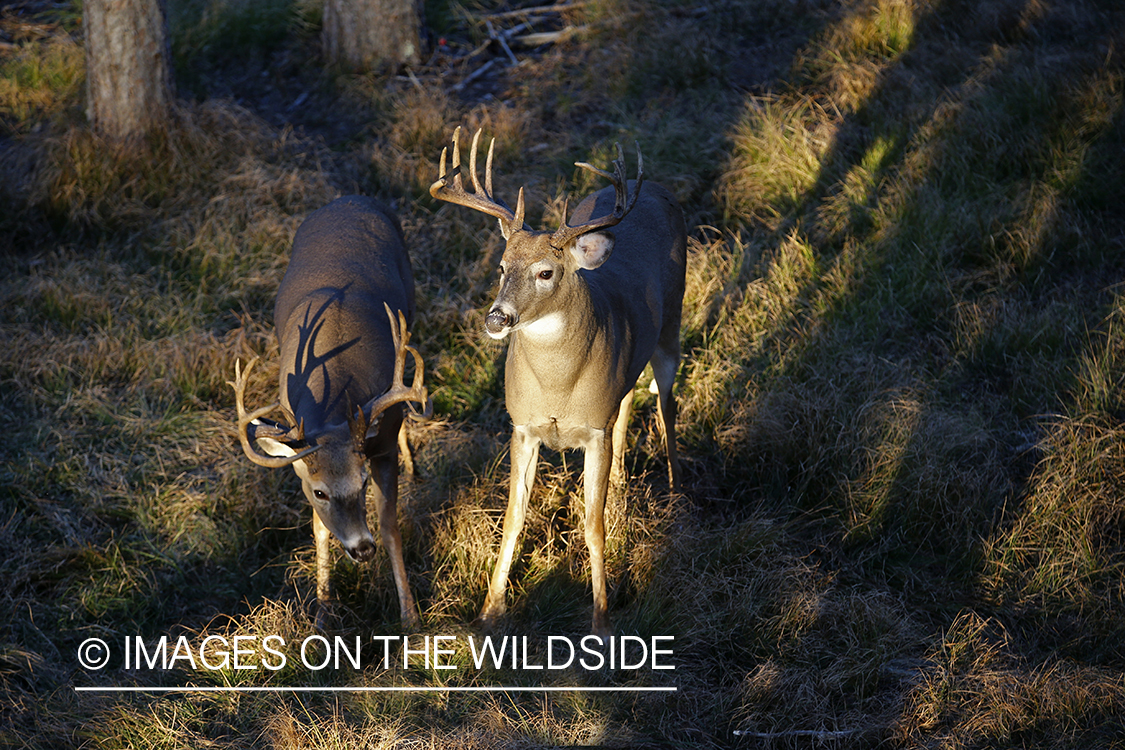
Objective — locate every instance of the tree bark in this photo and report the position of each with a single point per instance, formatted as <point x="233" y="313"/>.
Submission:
<point x="128" y="73"/>
<point x="377" y="35"/>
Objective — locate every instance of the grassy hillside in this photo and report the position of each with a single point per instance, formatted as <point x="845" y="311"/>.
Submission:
<point x="901" y="405"/>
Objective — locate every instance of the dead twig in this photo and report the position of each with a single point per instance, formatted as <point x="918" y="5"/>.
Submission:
<point x="814" y="733"/>
<point x="474" y="75"/>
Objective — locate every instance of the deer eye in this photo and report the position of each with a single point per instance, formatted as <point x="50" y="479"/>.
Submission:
<point x="546" y="274"/>
<point x="320" y="495"/>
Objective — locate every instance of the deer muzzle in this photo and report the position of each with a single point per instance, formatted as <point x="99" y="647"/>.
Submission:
<point x="362" y="552"/>
<point x="498" y="323"/>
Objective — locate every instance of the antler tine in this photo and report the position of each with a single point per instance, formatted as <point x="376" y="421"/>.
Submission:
<point x="245" y="420"/>
<point x="473" y="167"/>
<point x="418" y="385"/>
<point x="398" y="392"/>
<point x="619" y="170"/>
<point x="517" y="220"/>
<point x="622" y="205"/>
<point x="449" y="187"/>
<point x="640" y="173"/>
<point x="457" y="184"/>
<point x="400" y="337"/>
<point x="488" y="165"/>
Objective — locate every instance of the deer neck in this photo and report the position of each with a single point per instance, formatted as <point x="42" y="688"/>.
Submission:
<point x="549" y="358"/>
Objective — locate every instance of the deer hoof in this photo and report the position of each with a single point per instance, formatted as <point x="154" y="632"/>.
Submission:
<point x="489" y="618"/>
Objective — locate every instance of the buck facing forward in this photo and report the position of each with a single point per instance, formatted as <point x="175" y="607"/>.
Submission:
<point x="584" y="310"/>
<point x="343" y="353"/>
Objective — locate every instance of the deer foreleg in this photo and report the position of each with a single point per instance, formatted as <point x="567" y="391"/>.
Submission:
<point x="524" y="457"/>
<point x="322" y="535"/>
<point x="386" y="506"/>
<point x="596" y="484"/>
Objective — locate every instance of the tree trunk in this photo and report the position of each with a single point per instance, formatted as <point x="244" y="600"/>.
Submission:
<point x="372" y="34"/>
<point x="128" y="80"/>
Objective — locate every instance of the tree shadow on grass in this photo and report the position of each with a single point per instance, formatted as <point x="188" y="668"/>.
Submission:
<point x="955" y="259"/>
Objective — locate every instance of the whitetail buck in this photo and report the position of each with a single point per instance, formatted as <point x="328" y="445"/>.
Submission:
<point x="585" y="309"/>
<point x="341" y="379"/>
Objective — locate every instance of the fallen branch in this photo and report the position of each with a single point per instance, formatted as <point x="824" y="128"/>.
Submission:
<point x="500" y="39"/>
<point x="549" y="37"/>
<point x="559" y="8"/>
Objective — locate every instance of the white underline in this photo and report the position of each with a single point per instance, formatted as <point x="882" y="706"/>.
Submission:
<point x="407" y="689"/>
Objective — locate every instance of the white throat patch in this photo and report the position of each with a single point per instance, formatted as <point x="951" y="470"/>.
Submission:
<point x="547" y="328"/>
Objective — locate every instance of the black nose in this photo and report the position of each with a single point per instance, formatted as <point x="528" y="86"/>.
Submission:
<point x="497" y="321"/>
<point x="363" y="552"/>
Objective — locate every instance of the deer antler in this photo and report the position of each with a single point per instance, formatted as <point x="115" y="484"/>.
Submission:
<point x="622" y="205"/>
<point x="398" y="392"/>
<point x="293" y="434"/>
<point x="481" y="199"/>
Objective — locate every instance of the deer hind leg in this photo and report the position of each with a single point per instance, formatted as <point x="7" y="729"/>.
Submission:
<point x="596" y="471"/>
<point x="322" y="536"/>
<point x="384" y="470"/>
<point x="525" y="458"/>
<point x="620" y="429"/>
<point x="665" y="364"/>
<point x="404" y="451"/>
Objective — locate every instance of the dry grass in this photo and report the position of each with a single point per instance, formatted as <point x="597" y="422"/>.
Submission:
<point x="976" y="692"/>
<point x="900" y="404"/>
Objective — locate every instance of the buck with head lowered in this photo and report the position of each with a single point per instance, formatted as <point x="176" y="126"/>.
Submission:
<point x="343" y="354"/>
<point x="584" y="310"/>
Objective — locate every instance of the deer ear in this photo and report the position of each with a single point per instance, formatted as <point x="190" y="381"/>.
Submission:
<point x="592" y="249"/>
<point x="263" y="432"/>
<point x="357" y="426"/>
<point x="275" y="448"/>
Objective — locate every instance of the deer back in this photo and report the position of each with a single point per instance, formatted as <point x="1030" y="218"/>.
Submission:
<point x="343" y="355"/>
<point x="337" y="351"/>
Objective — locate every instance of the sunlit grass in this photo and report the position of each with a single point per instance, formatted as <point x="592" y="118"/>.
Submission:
<point x="778" y="151"/>
<point x="976" y="691"/>
<point x="39" y="82"/>
<point x="899" y="403"/>
<point x="849" y="59"/>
